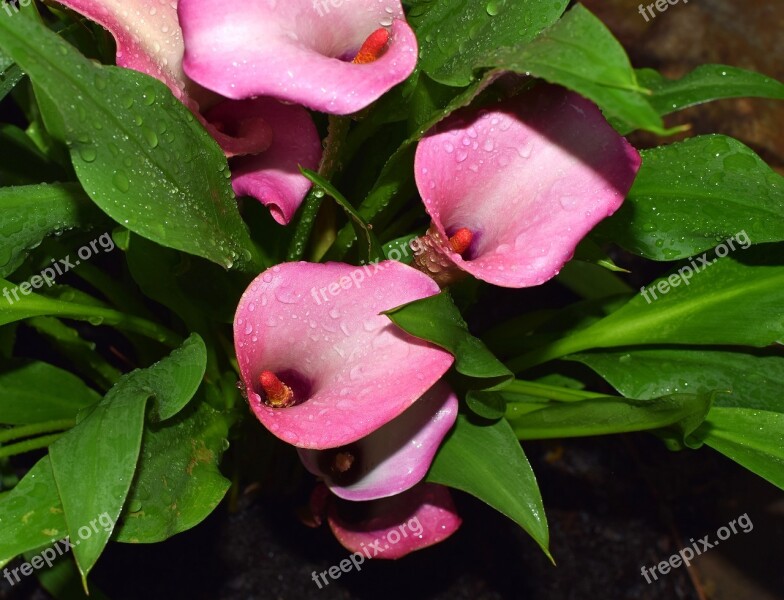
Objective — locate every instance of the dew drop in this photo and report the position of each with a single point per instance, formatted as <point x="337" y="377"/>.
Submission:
<point x="121" y="181"/>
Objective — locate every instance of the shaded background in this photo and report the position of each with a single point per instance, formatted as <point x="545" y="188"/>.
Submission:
<point x="614" y="504"/>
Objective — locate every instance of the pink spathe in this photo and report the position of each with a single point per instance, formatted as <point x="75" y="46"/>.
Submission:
<point x="351" y="369"/>
<point x="296" y="50"/>
<point x="393" y="458"/>
<point x="529" y="178"/>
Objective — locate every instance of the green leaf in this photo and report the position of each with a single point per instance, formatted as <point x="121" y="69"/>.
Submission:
<point x="704" y="84"/>
<point x="79" y="351"/>
<point x="488" y="405"/>
<point x="741" y="424"/>
<point x="454" y="34"/>
<point x="139" y="153"/>
<point x="30" y="514"/>
<point x="751" y="381"/>
<point x="487" y="461"/>
<point x="436" y="319"/>
<point x="94" y="463"/>
<point x="30" y="213"/>
<point x="178" y="483"/>
<point x="729" y="302"/>
<point x="373" y="250"/>
<point x="580" y="53"/>
<point x="10" y="75"/>
<point x="603" y="416"/>
<point x="35" y="392"/>
<point x="79" y="307"/>
<point x="691" y="195"/>
<point x="591" y="281"/>
<point x="752" y="438"/>
<point x="62" y="581"/>
<point x="22" y="162"/>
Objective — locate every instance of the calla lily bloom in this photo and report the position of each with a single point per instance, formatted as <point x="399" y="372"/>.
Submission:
<point x="332" y="57"/>
<point x="393" y="458"/>
<point x="392" y="527"/>
<point x="271" y="139"/>
<point x="322" y="367"/>
<point x="512" y="189"/>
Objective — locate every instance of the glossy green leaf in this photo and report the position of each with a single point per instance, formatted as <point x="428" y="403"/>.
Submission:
<point x="752" y="438"/>
<point x="728" y="302"/>
<point x="139" y="153"/>
<point x="692" y="195"/>
<point x="30" y="213"/>
<point x="10" y="75"/>
<point x="95" y="462"/>
<point x="487" y="461"/>
<point x="580" y="53"/>
<point x="488" y="405"/>
<point x="741" y="425"/>
<point x="34" y="392"/>
<point x="704" y="84"/>
<point x="35" y="305"/>
<point x="603" y="416"/>
<point x="178" y="483"/>
<point x="751" y="381"/>
<point x="30" y="514"/>
<point x="437" y="320"/>
<point x="454" y="34"/>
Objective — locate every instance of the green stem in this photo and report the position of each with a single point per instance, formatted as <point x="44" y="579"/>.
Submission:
<point x="550" y="392"/>
<point x="330" y="164"/>
<point x="29" y="445"/>
<point x="23" y="431"/>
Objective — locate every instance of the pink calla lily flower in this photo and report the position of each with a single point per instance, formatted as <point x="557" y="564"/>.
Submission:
<point x="332" y="57"/>
<point x="273" y="176"/>
<point x="393" y="458"/>
<point x="269" y="138"/>
<point x="322" y="367"/>
<point x="392" y="527"/>
<point x="512" y="189"/>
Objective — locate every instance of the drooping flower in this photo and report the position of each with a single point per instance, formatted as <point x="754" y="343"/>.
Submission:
<point x="268" y="138"/>
<point x="512" y="189"/>
<point x="322" y="367"/>
<point x="332" y="57"/>
<point x="392" y="527"/>
<point x="393" y="458"/>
